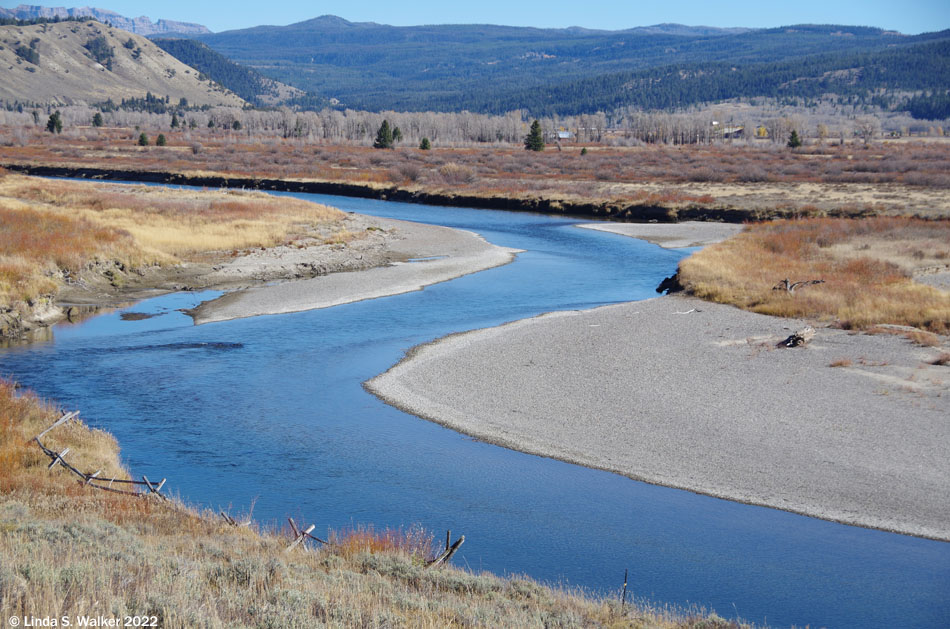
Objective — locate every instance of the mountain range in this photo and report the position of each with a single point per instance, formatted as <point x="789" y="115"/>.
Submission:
<point x="138" y="25"/>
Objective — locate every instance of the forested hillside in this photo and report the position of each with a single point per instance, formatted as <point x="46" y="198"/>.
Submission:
<point x="246" y="82"/>
<point x="497" y="68"/>
<point x="853" y="77"/>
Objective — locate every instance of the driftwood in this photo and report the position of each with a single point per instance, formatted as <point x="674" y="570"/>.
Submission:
<point x="670" y="284"/>
<point x="799" y="338"/>
<point x="791" y="286"/>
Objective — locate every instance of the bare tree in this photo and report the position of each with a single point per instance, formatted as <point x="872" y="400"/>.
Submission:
<point x="867" y="127"/>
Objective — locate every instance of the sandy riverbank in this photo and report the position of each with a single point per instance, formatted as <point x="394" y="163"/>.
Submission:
<point x="384" y="257"/>
<point x="410" y="257"/>
<point x="671" y="235"/>
<point x="684" y="393"/>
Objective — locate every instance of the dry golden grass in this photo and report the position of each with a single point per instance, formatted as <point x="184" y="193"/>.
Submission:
<point x="864" y="282"/>
<point x="51" y="228"/>
<point x="69" y="550"/>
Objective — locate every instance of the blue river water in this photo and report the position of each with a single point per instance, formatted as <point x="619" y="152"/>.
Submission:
<point x="271" y="411"/>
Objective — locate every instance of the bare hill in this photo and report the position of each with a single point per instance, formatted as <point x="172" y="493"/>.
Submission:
<point x="89" y="62"/>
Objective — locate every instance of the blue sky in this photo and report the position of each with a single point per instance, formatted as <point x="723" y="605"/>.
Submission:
<point x="909" y="16"/>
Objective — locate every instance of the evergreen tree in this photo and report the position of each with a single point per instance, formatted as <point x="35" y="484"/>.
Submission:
<point x="97" y="119"/>
<point x="425" y="145"/>
<point x="384" y="137"/>
<point x="160" y="140"/>
<point x="793" y="140"/>
<point x="143" y="139"/>
<point x="397" y="134"/>
<point x="175" y="122"/>
<point x="55" y="123"/>
<point x="534" y="141"/>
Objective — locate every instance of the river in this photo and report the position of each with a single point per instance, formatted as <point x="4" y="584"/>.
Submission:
<point x="271" y="411"/>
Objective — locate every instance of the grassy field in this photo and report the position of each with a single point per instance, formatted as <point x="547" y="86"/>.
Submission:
<point x="69" y="550"/>
<point x="866" y="267"/>
<point x="55" y="231"/>
<point x="760" y="179"/>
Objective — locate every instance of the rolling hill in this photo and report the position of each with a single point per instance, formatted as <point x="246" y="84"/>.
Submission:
<point x="494" y="68"/>
<point x="71" y="62"/>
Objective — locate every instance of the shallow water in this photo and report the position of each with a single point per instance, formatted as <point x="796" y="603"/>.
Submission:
<point x="271" y="411"/>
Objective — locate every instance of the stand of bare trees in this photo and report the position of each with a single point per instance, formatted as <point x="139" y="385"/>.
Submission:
<point x="724" y="122"/>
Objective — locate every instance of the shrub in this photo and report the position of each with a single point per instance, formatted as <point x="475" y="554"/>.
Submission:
<point x="456" y="173"/>
<point x="409" y="171"/>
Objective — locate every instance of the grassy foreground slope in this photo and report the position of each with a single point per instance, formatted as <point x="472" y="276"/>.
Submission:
<point x="66" y="549"/>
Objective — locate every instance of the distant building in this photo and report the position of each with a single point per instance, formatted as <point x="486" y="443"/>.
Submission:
<point x="727" y="132"/>
<point x="733" y="132"/>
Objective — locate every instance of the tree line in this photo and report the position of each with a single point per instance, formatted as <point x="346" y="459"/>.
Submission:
<point x="433" y="130"/>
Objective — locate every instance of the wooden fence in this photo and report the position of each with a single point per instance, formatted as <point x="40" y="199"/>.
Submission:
<point x="145" y="488"/>
<point x="92" y="479"/>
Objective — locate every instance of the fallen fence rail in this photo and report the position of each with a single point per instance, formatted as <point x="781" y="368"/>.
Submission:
<point x="88" y="478"/>
<point x="299" y="535"/>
